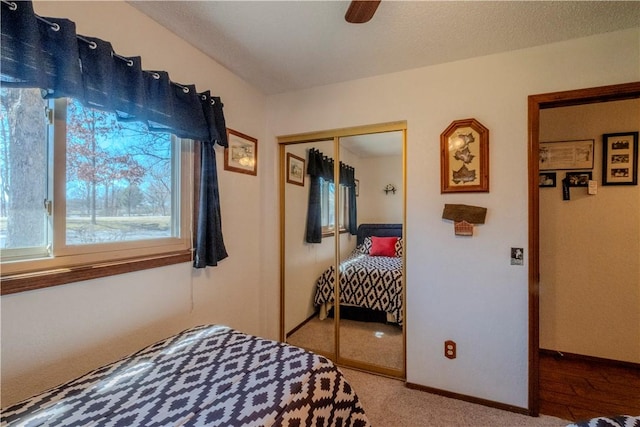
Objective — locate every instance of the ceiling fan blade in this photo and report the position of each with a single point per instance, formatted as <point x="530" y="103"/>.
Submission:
<point x="362" y="11"/>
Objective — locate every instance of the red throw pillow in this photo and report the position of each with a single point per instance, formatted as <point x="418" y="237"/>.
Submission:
<point x="383" y="246"/>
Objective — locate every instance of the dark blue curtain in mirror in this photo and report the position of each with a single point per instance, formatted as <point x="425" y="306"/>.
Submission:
<point x="47" y="53"/>
<point x="348" y="179"/>
<point x="320" y="167"/>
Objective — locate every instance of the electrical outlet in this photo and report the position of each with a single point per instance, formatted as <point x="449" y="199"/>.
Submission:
<point x="450" y="349"/>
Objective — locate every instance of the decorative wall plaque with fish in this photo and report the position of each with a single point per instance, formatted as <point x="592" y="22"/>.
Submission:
<point x="464" y="157"/>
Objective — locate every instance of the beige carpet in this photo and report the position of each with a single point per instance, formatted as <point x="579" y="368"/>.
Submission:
<point x="370" y="342"/>
<point x="388" y="403"/>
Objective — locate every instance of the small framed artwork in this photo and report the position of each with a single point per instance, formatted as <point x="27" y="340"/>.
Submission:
<point x="464" y="157"/>
<point x="547" y="179"/>
<point x="242" y="153"/>
<point x="357" y="188"/>
<point x="295" y="169"/>
<point x="565" y="155"/>
<point x="579" y="179"/>
<point x="620" y="158"/>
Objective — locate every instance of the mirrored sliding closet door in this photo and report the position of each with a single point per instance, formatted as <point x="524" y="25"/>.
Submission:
<point x="342" y="215"/>
<point x="371" y="261"/>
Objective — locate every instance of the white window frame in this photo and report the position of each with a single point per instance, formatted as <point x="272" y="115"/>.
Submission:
<point x="32" y="252"/>
<point x="63" y="256"/>
<point x="343" y="213"/>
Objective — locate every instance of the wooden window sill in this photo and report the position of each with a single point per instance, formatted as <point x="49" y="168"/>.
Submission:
<point x="332" y="233"/>
<point x="22" y="282"/>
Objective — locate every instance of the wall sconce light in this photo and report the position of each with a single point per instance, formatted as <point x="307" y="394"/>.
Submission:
<point x="389" y="189"/>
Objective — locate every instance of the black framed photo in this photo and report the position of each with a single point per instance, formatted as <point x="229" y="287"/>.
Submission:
<point x="620" y="158"/>
<point x="547" y="179"/>
<point x="579" y="179"/>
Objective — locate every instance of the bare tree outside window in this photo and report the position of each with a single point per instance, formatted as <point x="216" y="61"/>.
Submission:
<point x="119" y="179"/>
<point x="118" y="176"/>
<point x="23" y="169"/>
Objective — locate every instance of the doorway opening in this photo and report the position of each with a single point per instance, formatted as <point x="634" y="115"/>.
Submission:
<point x="537" y="103"/>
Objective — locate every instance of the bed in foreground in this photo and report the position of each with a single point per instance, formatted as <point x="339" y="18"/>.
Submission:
<point x="370" y="278"/>
<point x="612" y="421"/>
<point x="204" y="376"/>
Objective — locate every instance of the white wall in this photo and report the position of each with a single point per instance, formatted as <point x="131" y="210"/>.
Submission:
<point x="589" y="246"/>
<point x="55" y="334"/>
<point x="464" y="288"/>
<point x="374" y="205"/>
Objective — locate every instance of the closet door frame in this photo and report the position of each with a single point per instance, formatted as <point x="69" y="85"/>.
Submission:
<point x="336" y="134"/>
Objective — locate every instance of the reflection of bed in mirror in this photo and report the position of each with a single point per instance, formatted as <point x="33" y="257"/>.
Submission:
<point x="370" y="277"/>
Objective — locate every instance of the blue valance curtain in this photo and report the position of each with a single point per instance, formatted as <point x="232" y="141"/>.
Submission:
<point x="320" y="167"/>
<point x="47" y="53"/>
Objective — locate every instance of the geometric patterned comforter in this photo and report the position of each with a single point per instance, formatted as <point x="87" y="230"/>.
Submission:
<point x="373" y="282"/>
<point x="204" y="376"/>
<point x="617" y="421"/>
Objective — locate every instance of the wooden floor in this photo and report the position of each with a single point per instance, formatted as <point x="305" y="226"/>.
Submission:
<point x="578" y="389"/>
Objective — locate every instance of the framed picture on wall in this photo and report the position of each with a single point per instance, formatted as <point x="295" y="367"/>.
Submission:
<point x="547" y="179"/>
<point x="565" y="155"/>
<point x="464" y="157"/>
<point x="579" y="179"/>
<point x="242" y="153"/>
<point x="295" y="169"/>
<point x="620" y="158"/>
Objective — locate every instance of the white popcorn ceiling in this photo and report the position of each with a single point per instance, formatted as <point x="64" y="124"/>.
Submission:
<point x="281" y="46"/>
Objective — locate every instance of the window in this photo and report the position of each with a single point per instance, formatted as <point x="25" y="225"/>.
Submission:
<point x="79" y="186"/>
<point x="327" y="204"/>
<point x="24" y="229"/>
